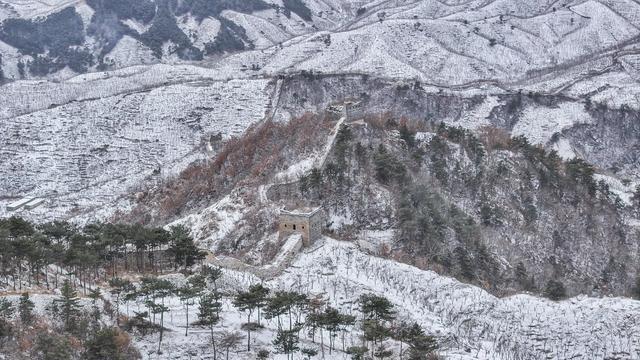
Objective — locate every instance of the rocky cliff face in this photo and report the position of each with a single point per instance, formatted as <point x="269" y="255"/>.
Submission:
<point x="606" y="136"/>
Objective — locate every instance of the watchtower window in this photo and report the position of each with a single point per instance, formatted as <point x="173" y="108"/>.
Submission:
<point x="294" y="226"/>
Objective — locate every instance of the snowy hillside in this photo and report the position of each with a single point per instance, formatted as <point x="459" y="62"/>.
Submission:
<point x="83" y="155"/>
<point x="470" y="323"/>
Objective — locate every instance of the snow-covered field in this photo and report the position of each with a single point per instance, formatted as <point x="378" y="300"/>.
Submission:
<point x="85" y="154"/>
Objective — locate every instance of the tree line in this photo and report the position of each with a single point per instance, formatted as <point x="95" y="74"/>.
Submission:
<point x="38" y="254"/>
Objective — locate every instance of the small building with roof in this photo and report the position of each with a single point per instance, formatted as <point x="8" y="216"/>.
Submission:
<point x="306" y="221"/>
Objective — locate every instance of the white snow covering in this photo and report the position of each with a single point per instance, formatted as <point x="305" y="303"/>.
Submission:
<point x="564" y="149"/>
<point x="211" y="225"/>
<point x="317" y="160"/>
<point x="294" y="171"/>
<point x="88" y="154"/>
<point x="539" y="124"/>
<point x="339" y="220"/>
<point x="129" y="52"/>
<point x="625" y="193"/>
<point x="520" y="326"/>
<point x="486" y="45"/>
<point x="479" y="115"/>
<point x="573" y="49"/>
<point x="372" y="240"/>
<point x="35" y="8"/>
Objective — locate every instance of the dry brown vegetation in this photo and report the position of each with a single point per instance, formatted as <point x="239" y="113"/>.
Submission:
<point x="494" y="138"/>
<point x="258" y="154"/>
<point x="387" y="121"/>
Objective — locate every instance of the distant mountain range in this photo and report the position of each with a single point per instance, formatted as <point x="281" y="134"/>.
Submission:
<point x="541" y="45"/>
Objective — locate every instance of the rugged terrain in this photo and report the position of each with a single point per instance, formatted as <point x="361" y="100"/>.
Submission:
<point x="488" y="147"/>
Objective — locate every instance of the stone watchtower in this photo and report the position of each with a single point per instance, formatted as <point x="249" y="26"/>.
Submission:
<point x="305" y="221"/>
<point x="353" y="110"/>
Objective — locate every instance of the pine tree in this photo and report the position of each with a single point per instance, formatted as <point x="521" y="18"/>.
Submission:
<point x="384" y="163"/>
<point x="357" y="352"/>
<point x="52" y="347"/>
<point x="309" y="353"/>
<point x="187" y="295"/>
<point x="334" y="322"/>
<point x="382" y="352"/>
<point x="375" y="331"/>
<point x="107" y="344"/>
<point x="286" y="342"/>
<point x="25" y="309"/>
<point x="376" y="307"/>
<point x="315" y="179"/>
<point x="95" y="295"/>
<point x="303" y="184"/>
<point x="284" y="302"/>
<point x="420" y="344"/>
<point x="159" y="290"/>
<point x="263" y="354"/>
<point x="208" y="315"/>
<point x="68" y="305"/>
<point x="555" y="290"/>
<point x="249" y="301"/>
<point x="120" y="287"/>
<point x="635" y="291"/>
<point x="230" y="340"/>
<point x="400" y="332"/>
<point x="407" y="135"/>
<point x="343" y="138"/>
<point x="522" y="277"/>
<point x="6" y="309"/>
<point x="212" y="275"/>
<point x="377" y="311"/>
<point x="183" y="248"/>
<point x="465" y="265"/>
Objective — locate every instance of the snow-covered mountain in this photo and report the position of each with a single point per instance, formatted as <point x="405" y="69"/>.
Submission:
<point x="213" y="114"/>
<point x="545" y="45"/>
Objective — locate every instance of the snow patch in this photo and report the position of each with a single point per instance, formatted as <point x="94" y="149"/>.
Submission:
<point x="539" y="124"/>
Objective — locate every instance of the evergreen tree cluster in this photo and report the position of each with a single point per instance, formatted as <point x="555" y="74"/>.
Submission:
<point x="90" y="253"/>
<point x="470" y="170"/>
<point x="53" y="41"/>
<point x="74" y="333"/>
<point x="295" y="312"/>
<point x="298" y="7"/>
<point x="57" y="40"/>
